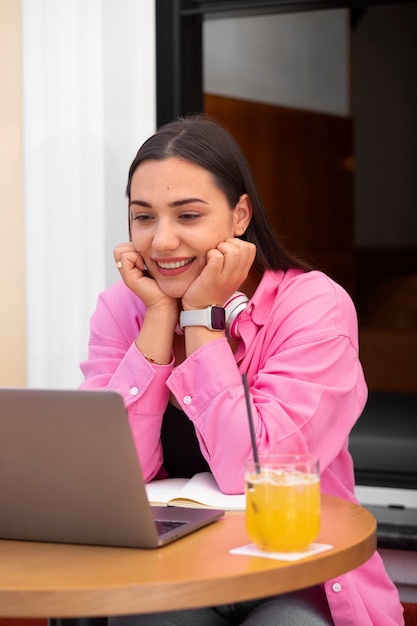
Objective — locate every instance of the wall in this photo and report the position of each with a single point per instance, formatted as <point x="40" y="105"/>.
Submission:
<point x="12" y="250"/>
<point x="87" y="71"/>
<point x="299" y="60"/>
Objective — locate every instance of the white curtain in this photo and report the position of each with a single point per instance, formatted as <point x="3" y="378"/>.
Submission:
<point x="89" y="102"/>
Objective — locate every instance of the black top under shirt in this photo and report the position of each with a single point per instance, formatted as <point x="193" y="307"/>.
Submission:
<point x="182" y="455"/>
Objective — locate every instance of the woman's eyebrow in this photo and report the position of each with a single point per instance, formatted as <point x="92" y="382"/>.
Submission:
<point x="141" y="203"/>
<point x="186" y="201"/>
<point x="173" y="204"/>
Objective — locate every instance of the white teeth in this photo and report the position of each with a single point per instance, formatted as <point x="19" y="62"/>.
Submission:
<point x="173" y="266"/>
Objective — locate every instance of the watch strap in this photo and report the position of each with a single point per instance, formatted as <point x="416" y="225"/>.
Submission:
<point x="213" y="317"/>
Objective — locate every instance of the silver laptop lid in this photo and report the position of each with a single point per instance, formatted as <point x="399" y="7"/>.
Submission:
<point x="69" y="471"/>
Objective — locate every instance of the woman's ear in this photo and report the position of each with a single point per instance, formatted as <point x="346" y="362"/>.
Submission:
<point x="242" y="214"/>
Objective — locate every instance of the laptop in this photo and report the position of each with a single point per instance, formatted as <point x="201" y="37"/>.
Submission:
<point x="69" y="473"/>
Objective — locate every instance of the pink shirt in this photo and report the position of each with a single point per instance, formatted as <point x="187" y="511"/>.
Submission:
<point x="299" y="349"/>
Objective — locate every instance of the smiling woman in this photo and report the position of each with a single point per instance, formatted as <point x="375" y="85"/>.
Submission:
<point x="198" y="234"/>
<point x="180" y="224"/>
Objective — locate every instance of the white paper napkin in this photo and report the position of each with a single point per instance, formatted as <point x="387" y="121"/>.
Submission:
<point x="252" y="550"/>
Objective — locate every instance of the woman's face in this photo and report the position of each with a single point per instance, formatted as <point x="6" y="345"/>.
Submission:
<point x="177" y="214"/>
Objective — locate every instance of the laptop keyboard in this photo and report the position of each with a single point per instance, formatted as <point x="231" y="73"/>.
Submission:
<point x="164" y="526"/>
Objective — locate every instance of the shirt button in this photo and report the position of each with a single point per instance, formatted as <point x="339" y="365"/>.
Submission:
<point x="134" y="391"/>
<point x="337" y="587"/>
<point x="187" y="400"/>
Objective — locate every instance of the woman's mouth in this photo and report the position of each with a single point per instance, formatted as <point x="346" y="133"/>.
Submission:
<point x="174" y="266"/>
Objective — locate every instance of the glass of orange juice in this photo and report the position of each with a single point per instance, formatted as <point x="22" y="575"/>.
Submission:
<point x="283" y="502"/>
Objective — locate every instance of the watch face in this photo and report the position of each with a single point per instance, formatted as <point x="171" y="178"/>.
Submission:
<point x="218" y="318"/>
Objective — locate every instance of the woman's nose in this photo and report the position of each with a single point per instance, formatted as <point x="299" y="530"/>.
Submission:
<point x="165" y="237"/>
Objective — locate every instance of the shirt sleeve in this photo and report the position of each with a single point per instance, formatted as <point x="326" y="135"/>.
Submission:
<point x="306" y="383"/>
<point x="115" y="363"/>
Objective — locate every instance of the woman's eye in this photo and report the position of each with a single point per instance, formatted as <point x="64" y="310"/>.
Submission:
<point x="142" y="218"/>
<point x="188" y="217"/>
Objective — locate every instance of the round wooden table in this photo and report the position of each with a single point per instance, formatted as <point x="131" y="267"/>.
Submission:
<point x="68" y="581"/>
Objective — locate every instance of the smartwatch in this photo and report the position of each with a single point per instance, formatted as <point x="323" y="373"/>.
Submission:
<point x="213" y="318"/>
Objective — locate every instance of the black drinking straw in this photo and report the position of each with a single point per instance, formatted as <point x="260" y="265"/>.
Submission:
<point x="252" y="430"/>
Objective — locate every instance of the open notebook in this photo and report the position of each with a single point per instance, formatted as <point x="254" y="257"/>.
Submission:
<point x="69" y="473"/>
<point x="199" y="491"/>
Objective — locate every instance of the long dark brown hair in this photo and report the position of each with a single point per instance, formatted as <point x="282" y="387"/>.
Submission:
<point x="206" y="143"/>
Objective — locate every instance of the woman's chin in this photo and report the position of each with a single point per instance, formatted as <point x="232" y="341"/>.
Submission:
<point x="173" y="292"/>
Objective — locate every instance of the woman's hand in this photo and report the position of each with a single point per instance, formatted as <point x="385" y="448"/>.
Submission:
<point x="134" y="273"/>
<point x="227" y="268"/>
